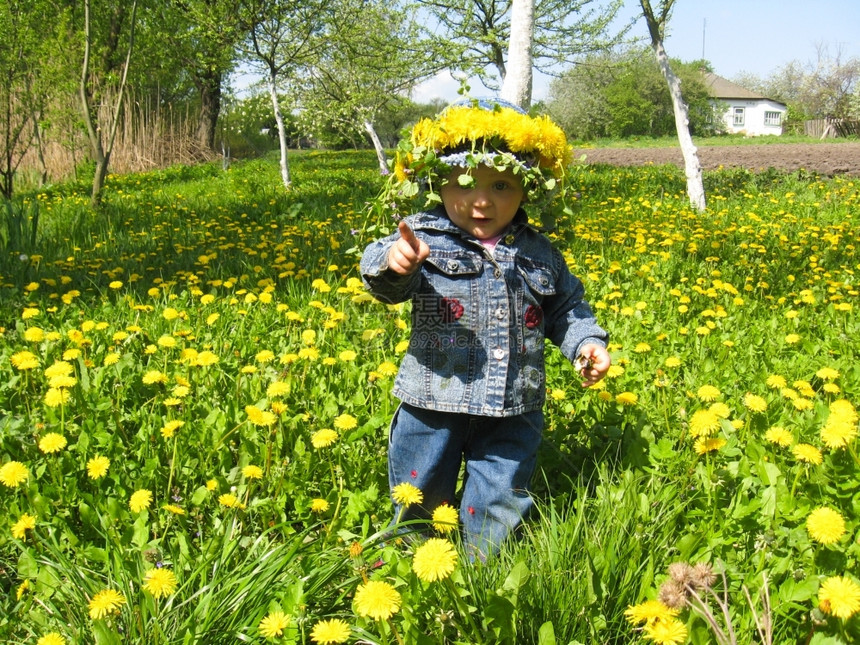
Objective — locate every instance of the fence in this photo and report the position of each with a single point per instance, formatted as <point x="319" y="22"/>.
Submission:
<point x="831" y="128"/>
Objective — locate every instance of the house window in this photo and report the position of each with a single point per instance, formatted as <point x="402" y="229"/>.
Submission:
<point x="738" y="116"/>
<point x="772" y="118"/>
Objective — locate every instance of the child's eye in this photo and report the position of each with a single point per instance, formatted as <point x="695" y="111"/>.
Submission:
<point x="501" y="185"/>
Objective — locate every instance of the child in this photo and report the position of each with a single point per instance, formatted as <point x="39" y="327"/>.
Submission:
<point x="486" y="289"/>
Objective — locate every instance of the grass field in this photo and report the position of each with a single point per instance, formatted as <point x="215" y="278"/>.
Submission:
<point x="195" y="392"/>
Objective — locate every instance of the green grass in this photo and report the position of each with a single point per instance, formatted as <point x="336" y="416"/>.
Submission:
<point x="204" y="326"/>
<point x="721" y="140"/>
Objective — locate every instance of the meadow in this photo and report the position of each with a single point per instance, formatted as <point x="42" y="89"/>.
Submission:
<point x="195" y="395"/>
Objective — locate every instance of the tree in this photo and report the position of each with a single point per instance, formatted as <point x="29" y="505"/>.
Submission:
<point x="564" y="30"/>
<point x="102" y="148"/>
<point x="379" y="54"/>
<point x="285" y="37"/>
<point x="517" y="86"/>
<point x="692" y="168"/>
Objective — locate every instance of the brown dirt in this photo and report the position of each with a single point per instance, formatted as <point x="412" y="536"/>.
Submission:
<point x="824" y="158"/>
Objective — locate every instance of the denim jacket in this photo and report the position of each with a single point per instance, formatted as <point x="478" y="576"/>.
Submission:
<point x="479" y="318"/>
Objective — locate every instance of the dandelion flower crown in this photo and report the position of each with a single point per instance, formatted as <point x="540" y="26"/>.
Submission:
<point x="475" y="132"/>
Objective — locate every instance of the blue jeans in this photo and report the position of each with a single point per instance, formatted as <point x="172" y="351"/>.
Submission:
<point x="426" y="449"/>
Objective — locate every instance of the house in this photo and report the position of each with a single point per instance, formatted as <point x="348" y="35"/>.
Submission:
<point x="746" y="112"/>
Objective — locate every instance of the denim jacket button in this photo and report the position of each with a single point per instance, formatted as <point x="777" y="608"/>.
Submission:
<point x="500" y="313"/>
<point x="509" y="238"/>
<point x="544" y="280"/>
<point x="498" y="353"/>
<point x="497" y="273"/>
<point x="453" y="266"/>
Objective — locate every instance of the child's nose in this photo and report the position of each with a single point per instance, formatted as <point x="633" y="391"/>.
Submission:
<point x="482" y="198"/>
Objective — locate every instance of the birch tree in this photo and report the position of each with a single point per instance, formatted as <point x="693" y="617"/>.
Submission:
<point x="285" y="37"/>
<point x="517" y="86"/>
<point x="692" y="168"/>
<point x="563" y="30"/>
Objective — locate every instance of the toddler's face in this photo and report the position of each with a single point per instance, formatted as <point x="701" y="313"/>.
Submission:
<point x="485" y="208"/>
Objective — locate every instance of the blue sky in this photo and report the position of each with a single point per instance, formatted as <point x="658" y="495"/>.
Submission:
<point x="755" y="36"/>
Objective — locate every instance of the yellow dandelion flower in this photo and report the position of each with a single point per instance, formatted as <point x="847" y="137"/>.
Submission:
<point x="173" y="508"/>
<point x="24" y="361"/>
<point x="55" y="397"/>
<point x="139" y="500"/>
<point x="206" y="359"/>
<point x="377" y="599"/>
<point x="323" y="438"/>
<point x="779" y="436"/>
<point x="97" y="467"/>
<point x="708" y="393"/>
<point x="347" y="355"/>
<point x="672" y="361"/>
<point x="627" y="398"/>
<point x="840" y="429"/>
<point x="666" y="632"/>
<point x="211" y="484"/>
<point x="105" y="602"/>
<point x="704" y="423"/>
<point x="827" y="374"/>
<point x="171" y="427"/>
<point x="160" y="582"/>
<point x="649" y="612"/>
<point x="252" y="472"/>
<point x="319" y="505"/>
<point x="445" y="518"/>
<point x="720" y="409"/>
<point x="52" y="442"/>
<point x="52" y="638"/>
<point x="277" y="388"/>
<point x="345" y="422"/>
<point x="406" y="494"/>
<point x="229" y="500"/>
<point x="154" y="376"/>
<point x="59" y="368"/>
<point x="13" y="473"/>
<point x="260" y="417"/>
<point x="25" y="523"/>
<point x="754" y="403"/>
<point x="330" y="631"/>
<point x="839" y="596"/>
<point x="387" y="368"/>
<point x="825" y="525"/>
<point x="434" y="560"/>
<point x="776" y="381"/>
<point x="708" y="444"/>
<point x="34" y="335"/>
<point x="808" y="454"/>
<point x="274" y="624"/>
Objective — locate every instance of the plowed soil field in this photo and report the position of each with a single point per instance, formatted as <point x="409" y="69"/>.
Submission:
<point x="824" y="158"/>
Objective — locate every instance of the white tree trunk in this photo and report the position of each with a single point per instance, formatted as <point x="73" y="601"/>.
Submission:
<point x="282" y="132"/>
<point x="377" y="145"/>
<point x="517" y="86"/>
<point x="692" y="167"/>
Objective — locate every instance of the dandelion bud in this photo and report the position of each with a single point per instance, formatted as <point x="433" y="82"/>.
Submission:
<point x="672" y="595"/>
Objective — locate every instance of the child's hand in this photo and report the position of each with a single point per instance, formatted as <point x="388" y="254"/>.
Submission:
<point x="593" y="362"/>
<point x="408" y="251"/>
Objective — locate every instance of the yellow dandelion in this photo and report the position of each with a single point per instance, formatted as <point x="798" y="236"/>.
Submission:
<point x="754" y="403"/>
<point x="52" y="638"/>
<point x="230" y="501"/>
<point x="839" y="596"/>
<point x="666" y="632"/>
<point x="776" y="381"/>
<point x="827" y="374"/>
<point x="708" y="393"/>
<point x="154" y="376"/>
<point x="105" y="602"/>
<point x="252" y="472"/>
<point x="445" y="518"/>
<point x="406" y="494"/>
<point x="25" y="523"/>
<point x="24" y="361"/>
<point x="97" y="467"/>
<point x="160" y="582"/>
<point x="704" y="423"/>
<point x="807" y="454"/>
<point x="779" y="436"/>
<point x="52" y="442"/>
<point x="260" y="417"/>
<point x="265" y="356"/>
<point x="672" y="361"/>
<point x="345" y="422"/>
<point x="708" y="444"/>
<point x="319" y="505"/>
<point x="323" y="438"/>
<point x="140" y="500"/>
<point x="330" y="631"/>
<point x="274" y="624"/>
<point x="720" y="409"/>
<point x="13" y="473"/>
<point x="825" y="525"/>
<point x="171" y="427"/>
<point x="434" y="560"/>
<point x="173" y="508"/>
<point x="377" y="599"/>
<point x="648" y="612"/>
<point x="277" y="388"/>
<point x="627" y="398"/>
<point x="55" y="397"/>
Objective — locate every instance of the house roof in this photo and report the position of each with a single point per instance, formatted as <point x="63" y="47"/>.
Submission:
<point x="721" y="88"/>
